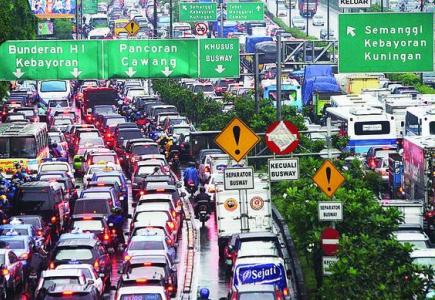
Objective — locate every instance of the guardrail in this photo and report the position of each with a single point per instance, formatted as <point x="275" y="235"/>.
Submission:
<point x="190" y="255"/>
<point x="296" y="269"/>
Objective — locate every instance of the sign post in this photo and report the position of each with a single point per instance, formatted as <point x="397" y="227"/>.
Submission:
<point x="369" y="43"/>
<point x="245" y="11"/>
<point x="119" y="59"/>
<point x="194" y="12"/>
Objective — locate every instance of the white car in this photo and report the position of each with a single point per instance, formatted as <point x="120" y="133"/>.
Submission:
<point x="149" y="245"/>
<point x="88" y="270"/>
<point x="299" y="23"/>
<point x="60" y="277"/>
<point x="107" y="167"/>
<point x="51" y="166"/>
<point x="282" y="10"/>
<point x="142" y="292"/>
<point x="424" y="257"/>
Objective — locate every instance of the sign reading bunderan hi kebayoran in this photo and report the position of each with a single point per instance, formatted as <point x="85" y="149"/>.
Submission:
<point x="194" y="12"/>
<point x="50" y="60"/>
<point x="245" y="11"/>
<point x="386" y="42"/>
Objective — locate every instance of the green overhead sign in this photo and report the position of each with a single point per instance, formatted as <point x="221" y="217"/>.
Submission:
<point x="194" y="12"/>
<point x="118" y="59"/>
<point x="386" y="42"/>
<point x="245" y="11"/>
<point x="90" y="6"/>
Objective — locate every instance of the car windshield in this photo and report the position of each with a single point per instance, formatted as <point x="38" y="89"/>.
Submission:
<point x="146" y="170"/>
<point x="130" y="134"/>
<point x="88" y="225"/>
<point x="16" y="117"/>
<point x="147" y="271"/>
<point x="50" y="281"/>
<point x="20" y="231"/>
<point x="89" y="135"/>
<point x="137" y="296"/>
<point x="149" y="215"/>
<point x="54" y="167"/>
<point x="109" y="179"/>
<point x="182" y="130"/>
<point x="415" y="244"/>
<point x="149" y="231"/>
<point x="12" y="244"/>
<point x="103" y="158"/>
<point x="18" y="147"/>
<point x="115" y="121"/>
<point x="58" y="103"/>
<point x="95" y="206"/>
<point x="257" y="296"/>
<point x="97" y="195"/>
<point x="53" y="86"/>
<point x="63" y="122"/>
<point x="104" y="110"/>
<point x="424" y="261"/>
<point x="252" y="248"/>
<point x="74" y="254"/>
<point x="145" y="149"/>
<point x="146" y="245"/>
<point x="86" y="271"/>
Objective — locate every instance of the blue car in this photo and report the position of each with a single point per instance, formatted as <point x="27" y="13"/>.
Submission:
<point x="113" y="176"/>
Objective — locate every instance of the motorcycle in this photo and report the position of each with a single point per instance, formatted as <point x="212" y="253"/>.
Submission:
<point x="117" y="238"/>
<point x="175" y="163"/>
<point x="202" y="208"/>
<point x="191" y="188"/>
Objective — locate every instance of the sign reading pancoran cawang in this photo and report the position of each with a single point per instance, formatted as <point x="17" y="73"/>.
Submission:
<point x="283" y="169"/>
<point x="330" y="211"/>
<point x="239" y="178"/>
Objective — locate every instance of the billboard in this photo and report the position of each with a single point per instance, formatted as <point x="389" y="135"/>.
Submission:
<point x="45" y="28"/>
<point x="45" y="9"/>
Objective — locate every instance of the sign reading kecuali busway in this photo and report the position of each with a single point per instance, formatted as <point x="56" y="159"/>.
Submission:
<point x="386" y="42"/>
<point x="239" y="178"/>
<point x="283" y="169"/>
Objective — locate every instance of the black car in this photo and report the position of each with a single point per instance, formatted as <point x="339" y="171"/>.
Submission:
<point x="92" y="206"/>
<point x="85" y="251"/>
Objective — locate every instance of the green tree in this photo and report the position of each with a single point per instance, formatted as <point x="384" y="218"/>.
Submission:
<point x="371" y="268"/>
<point x="62" y="29"/>
<point x="17" y="22"/>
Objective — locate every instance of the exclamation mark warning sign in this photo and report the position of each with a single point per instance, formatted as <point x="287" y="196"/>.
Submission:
<point x="328" y="178"/>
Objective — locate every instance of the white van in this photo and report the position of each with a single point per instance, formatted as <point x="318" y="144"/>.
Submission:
<point x="54" y="90"/>
<point x="100" y="33"/>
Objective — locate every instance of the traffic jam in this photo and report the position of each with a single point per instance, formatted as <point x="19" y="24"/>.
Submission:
<point x="111" y="189"/>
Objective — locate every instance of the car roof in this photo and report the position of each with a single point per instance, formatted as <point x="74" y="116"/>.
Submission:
<point x="152" y="206"/>
<point x="156" y="197"/>
<point x="138" y="259"/>
<point x="74" y="266"/>
<point x="428" y="252"/>
<point x="151" y="237"/>
<point x="88" y="216"/>
<point x="98" y="189"/>
<point x="410" y="236"/>
<point x="257" y="235"/>
<point x="141" y="289"/>
<point x="61" y="273"/>
<point x="150" y="162"/>
<point x="256" y="288"/>
<point x="77" y="242"/>
<point x="160" y="185"/>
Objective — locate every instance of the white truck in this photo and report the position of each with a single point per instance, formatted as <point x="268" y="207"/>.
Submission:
<point x="228" y="213"/>
<point x="412" y="211"/>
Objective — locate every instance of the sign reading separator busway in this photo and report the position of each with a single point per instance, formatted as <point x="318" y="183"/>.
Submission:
<point x="239" y="178"/>
<point x="386" y="42"/>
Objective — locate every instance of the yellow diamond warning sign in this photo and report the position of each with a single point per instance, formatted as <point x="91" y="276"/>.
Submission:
<point x="237" y="139"/>
<point x="328" y="178"/>
<point x="132" y="28"/>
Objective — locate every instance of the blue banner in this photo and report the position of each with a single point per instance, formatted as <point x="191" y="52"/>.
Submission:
<point x="260" y="274"/>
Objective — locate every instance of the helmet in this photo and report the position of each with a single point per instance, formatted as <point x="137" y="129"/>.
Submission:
<point x="202" y="189"/>
<point x="17" y="165"/>
<point x="138" y="113"/>
<point x="204" y="293"/>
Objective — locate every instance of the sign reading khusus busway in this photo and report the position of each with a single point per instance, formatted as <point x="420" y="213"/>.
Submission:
<point x="239" y="178"/>
<point x="119" y="59"/>
<point x="386" y="42"/>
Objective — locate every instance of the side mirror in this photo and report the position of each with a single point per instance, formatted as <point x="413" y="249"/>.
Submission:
<point x="101" y="275"/>
<point x="178" y="185"/>
<point x="91" y="281"/>
<point x="129" y="216"/>
<point x="119" y="271"/>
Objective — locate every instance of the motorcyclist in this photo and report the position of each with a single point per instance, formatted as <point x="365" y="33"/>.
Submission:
<point x="20" y="173"/>
<point x="54" y="150"/>
<point x="38" y="261"/>
<point x="203" y="294"/>
<point x="202" y="196"/>
<point x="117" y="220"/>
<point x="190" y="175"/>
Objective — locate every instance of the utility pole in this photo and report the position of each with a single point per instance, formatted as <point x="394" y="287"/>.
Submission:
<point x="290" y="13"/>
<point x="155" y="19"/>
<point x="222" y="18"/>
<point x="306" y="15"/>
<point x="276" y="8"/>
<point x="327" y="20"/>
<point x="170" y="19"/>
<point x="257" y="83"/>
<point x="278" y="78"/>
<point x="382" y="5"/>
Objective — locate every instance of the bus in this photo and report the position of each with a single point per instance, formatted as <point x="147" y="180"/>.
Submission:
<point x="290" y="93"/>
<point x="24" y="143"/>
<point x="420" y="121"/>
<point x="120" y="26"/>
<point x="364" y="126"/>
<point x="308" y="8"/>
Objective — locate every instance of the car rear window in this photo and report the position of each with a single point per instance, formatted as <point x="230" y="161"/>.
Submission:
<point x="150" y="296"/>
<point x="88" y="225"/>
<point x="109" y="179"/>
<point x="146" y="245"/>
<point x="103" y="158"/>
<point x="20" y="231"/>
<point x="97" y="195"/>
<point x="149" y="215"/>
<point x="257" y="296"/>
<point x="50" y="281"/>
<point x="145" y="149"/>
<point x="54" y="167"/>
<point x="147" y="271"/>
<point x="149" y="231"/>
<point x="74" y="254"/>
<point x="96" y="206"/>
<point x="12" y="244"/>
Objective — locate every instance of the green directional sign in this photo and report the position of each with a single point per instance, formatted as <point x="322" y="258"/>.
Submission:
<point x="119" y="59"/>
<point x="386" y="42"/>
<point x="219" y="58"/>
<point x="194" y="12"/>
<point x="90" y="6"/>
<point x="50" y="60"/>
<point x="152" y="58"/>
<point x="245" y="11"/>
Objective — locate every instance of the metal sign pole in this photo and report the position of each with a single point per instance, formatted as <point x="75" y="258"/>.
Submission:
<point x="327" y="19"/>
<point x="170" y="19"/>
<point x="257" y="84"/>
<point x="278" y="78"/>
<point x="222" y="19"/>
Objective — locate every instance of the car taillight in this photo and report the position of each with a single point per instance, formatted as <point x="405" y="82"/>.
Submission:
<point x="170" y="242"/>
<point x="142" y="193"/>
<point x="174" y="214"/>
<point x="170" y="288"/>
<point x="278" y="295"/>
<point x="97" y="265"/>
<point x="24" y="256"/>
<point x="234" y="296"/>
<point x="171" y="225"/>
<point x="39" y="232"/>
<point x="51" y="266"/>
<point x="141" y="280"/>
<point x="5" y="272"/>
<point x="53" y="220"/>
<point x="127" y="257"/>
<point x="207" y="169"/>
<point x="285" y="292"/>
<point x="106" y="237"/>
<point x="67" y="293"/>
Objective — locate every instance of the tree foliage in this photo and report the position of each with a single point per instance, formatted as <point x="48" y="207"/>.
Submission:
<point x="62" y="29"/>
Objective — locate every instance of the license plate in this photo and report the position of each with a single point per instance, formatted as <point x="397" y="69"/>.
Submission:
<point x="73" y="262"/>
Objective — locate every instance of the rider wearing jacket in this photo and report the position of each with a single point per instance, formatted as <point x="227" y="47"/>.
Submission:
<point x="202" y="196"/>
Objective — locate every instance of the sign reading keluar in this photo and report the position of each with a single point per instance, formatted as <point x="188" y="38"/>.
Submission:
<point x="386" y="42"/>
